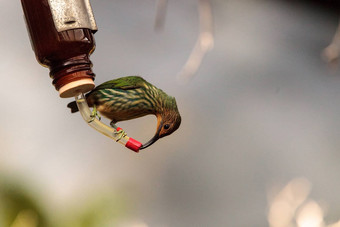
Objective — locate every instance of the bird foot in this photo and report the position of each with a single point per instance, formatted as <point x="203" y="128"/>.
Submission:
<point x="94" y="114"/>
<point x="119" y="132"/>
<point x="113" y="125"/>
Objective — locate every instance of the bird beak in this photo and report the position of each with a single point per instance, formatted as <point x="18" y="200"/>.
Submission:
<point x="154" y="138"/>
<point x="150" y="142"/>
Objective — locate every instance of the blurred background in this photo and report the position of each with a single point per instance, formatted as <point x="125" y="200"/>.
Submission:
<point x="259" y="141"/>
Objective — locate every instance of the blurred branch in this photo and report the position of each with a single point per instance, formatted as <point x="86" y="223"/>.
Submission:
<point x="160" y="14"/>
<point x="331" y="53"/>
<point x="204" y="43"/>
<point x="205" y="40"/>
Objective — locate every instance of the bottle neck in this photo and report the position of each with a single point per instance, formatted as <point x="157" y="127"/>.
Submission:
<point x="71" y="70"/>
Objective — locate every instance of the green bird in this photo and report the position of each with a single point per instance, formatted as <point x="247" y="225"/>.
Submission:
<point x="131" y="97"/>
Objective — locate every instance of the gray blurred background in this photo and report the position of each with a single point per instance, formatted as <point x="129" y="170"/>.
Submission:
<point x="262" y="110"/>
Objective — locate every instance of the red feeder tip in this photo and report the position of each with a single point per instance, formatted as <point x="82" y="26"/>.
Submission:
<point x="133" y="144"/>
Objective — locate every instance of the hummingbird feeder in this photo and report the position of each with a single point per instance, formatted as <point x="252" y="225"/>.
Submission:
<point x="61" y="34"/>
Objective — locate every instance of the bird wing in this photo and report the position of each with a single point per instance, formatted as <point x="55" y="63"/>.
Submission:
<point x="124" y="83"/>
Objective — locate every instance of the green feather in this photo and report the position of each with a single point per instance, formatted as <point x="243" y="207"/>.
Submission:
<point x="124" y="83"/>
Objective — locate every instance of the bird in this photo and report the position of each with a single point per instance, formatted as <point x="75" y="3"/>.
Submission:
<point x="132" y="97"/>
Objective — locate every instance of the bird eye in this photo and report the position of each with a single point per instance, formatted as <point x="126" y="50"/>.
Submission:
<point x="167" y="126"/>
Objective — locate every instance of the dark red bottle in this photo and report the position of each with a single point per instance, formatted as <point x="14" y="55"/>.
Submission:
<point x="61" y="34"/>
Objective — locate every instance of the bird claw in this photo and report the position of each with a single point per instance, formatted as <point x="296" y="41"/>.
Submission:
<point x="121" y="133"/>
<point x="118" y="130"/>
<point x="94" y="114"/>
<point x="112" y="123"/>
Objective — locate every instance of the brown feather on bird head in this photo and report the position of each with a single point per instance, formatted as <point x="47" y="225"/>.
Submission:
<point x="168" y="121"/>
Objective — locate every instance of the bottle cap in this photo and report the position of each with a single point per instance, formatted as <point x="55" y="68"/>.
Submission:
<point x="76" y="87"/>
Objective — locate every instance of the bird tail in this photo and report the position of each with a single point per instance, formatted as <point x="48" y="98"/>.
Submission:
<point x="73" y="106"/>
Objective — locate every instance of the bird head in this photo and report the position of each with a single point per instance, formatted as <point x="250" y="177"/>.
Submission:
<point x="168" y="121"/>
